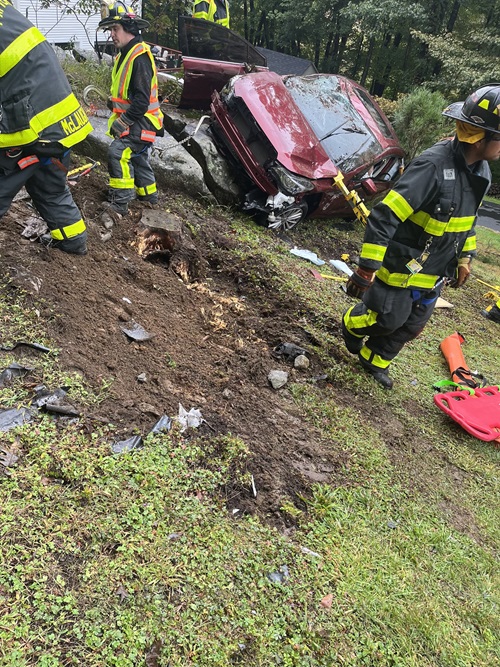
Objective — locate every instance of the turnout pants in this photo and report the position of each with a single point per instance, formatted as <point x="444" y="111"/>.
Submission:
<point x="130" y="174"/>
<point x="45" y="181"/>
<point x="390" y="317"/>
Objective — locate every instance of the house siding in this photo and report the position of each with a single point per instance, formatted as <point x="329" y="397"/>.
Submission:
<point x="59" y="27"/>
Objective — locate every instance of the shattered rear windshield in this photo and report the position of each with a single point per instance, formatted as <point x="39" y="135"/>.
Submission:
<point x="340" y="129"/>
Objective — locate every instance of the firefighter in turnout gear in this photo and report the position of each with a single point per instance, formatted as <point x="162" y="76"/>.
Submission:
<point x="136" y="119"/>
<point x="216" y="11"/>
<point x="40" y="121"/>
<point x="421" y="235"/>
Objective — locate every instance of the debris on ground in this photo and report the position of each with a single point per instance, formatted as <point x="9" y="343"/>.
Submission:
<point x="307" y="254"/>
<point x="189" y="419"/>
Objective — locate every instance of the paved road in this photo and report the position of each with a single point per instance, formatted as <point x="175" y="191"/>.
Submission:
<point x="489" y="216"/>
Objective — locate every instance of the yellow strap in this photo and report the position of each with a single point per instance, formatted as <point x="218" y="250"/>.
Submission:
<point x="19" y="48"/>
<point x="352" y="198"/>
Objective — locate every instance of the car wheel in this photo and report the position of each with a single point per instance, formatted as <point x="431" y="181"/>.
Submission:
<point x="287" y="219"/>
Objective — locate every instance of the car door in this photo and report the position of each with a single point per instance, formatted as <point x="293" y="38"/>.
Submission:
<point x="211" y="55"/>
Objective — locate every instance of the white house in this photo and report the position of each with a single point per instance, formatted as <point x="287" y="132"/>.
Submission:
<point x="62" y="27"/>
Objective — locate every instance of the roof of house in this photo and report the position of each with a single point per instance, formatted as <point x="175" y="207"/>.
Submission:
<point x="281" y="63"/>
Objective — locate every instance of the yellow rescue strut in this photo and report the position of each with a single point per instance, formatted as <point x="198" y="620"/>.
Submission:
<point x="353" y="199"/>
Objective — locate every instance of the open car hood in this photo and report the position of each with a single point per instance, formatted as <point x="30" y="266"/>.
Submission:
<point x="276" y="113"/>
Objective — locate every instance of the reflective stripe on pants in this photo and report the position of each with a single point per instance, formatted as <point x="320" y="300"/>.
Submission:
<point x="390" y="318"/>
<point x="129" y="169"/>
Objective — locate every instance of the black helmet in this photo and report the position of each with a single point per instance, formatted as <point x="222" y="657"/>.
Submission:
<point x="116" y="11"/>
<point x="481" y="108"/>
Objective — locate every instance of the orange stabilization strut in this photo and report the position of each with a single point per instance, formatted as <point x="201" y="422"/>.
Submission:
<point x="451" y="347"/>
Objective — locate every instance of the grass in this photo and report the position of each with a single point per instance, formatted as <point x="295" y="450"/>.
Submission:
<point x="133" y="560"/>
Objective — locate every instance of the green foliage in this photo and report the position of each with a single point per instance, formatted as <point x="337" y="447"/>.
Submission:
<point x="418" y="120"/>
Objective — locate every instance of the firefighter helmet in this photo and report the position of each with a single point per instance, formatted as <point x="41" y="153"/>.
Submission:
<point x="481" y="108"/>
<point x="116" y="11"/>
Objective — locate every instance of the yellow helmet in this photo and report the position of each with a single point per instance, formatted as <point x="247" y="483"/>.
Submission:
<point x="116" y="11"/>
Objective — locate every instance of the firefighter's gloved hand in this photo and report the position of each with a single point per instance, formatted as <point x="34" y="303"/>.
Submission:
<point x="109" y="103"/>
<point x="119" y="127"/>
<point x="359" y="282"/>
<point x="462" y="272"/>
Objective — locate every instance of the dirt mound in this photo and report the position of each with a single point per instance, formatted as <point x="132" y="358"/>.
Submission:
<point x="211" y="345"/>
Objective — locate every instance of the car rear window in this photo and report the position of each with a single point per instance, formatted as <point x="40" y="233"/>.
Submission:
<point x="340" y="129"/>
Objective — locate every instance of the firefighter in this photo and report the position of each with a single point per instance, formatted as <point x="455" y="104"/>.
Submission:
<point x="421" y="234"/>
<point x="136" y="119"/>
<point x="492" y="312"/>
<point x="216" y="11"/>
<point x="39" y="124"/>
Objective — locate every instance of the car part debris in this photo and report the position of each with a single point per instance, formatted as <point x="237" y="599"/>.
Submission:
<point x="307" y="254"/>
<point x="289" y="351"/>
<point x="135" y="331"/>
<point x="14" y="417"/>
<point x="35" y="346"/>
<point x="13" y="371"/>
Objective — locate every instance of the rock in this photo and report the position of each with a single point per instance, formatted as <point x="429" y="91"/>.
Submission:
<point x="278" y="379"/>
<point x="301" y="361"/>
<point x="142" y="377"/>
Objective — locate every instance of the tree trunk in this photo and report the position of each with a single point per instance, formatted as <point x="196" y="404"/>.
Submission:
<point x="368" y="61"/>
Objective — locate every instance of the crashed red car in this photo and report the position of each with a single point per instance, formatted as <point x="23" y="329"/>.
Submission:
<point x="287" y="135"/>
<point x="291" y="135"/>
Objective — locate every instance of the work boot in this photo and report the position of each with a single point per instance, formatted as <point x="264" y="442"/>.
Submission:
<point x="75" y="246"/>
<point x="114" y="207"/>
<point x="353" y="343"/>
<point x="379" y="375"/>
<point x="492" y="313"/>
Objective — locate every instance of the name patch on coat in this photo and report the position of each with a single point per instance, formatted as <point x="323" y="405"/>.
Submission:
<point x="449" y="174"/>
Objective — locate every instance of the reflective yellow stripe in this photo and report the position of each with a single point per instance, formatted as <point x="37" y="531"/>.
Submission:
<point x="19" y="48"/>
<point x="372" y="251"/>
<point x="423" y="280"/>
<point x="125" y="165"/>
<point x="68" y="232"/>
<point x="470" y="244"/>
<point x="439" y="227"/>
<point x="147" y="190"/>
<point x="361" y="321"/>
<point x="398" y="205"/>
<point x="43" y="120"/>
<point x="373" y="359"/>
<point x="121" y="183"/>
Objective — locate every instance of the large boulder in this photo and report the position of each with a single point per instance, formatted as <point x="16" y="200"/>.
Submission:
<point x="173" y="165"/>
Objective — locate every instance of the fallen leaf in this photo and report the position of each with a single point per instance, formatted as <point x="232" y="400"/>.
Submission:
<point x="326" y="602"/>
<point x="122" y="593"/>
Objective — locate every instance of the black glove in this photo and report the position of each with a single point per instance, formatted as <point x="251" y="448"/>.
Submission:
<point x="359" y="282"/>
<point x="118" y="127"/>
<point x="109" y="103"/>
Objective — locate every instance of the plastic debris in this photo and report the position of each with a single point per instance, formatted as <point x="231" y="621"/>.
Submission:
<point x="278" y="379"/>
<point x="280" y="576"/>
<point x="191" y="419"/>
<point x="122" y="446"/>
<point x="341" y="266"/>
<point x="289" y="351"/>
<point x="35" y="346"/>
<point x="12" y="417"/>
<point x="135" y="331"/>
<point x="164" y="424"/>
<point x="254" y="488"/>
<point x="13" y="371"/>
<point x="307" y="254"/>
